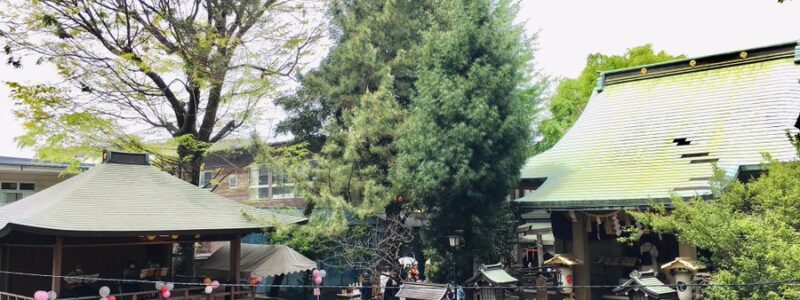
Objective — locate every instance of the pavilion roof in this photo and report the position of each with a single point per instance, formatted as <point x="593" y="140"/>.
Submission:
<point x="650" y="133"/>
<point x="127" y="198"/>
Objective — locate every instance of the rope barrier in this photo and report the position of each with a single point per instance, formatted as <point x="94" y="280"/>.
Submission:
<point x="244" y="285"/>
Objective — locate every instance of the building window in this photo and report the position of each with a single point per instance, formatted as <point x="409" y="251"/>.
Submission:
<point x="233" y="181"/>
<point x="205" y="179"/>
<point x="13" y="191"/>
<point x="270" y="184"/>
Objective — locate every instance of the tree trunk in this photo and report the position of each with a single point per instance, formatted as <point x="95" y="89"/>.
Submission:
<point x="190" y="161"/>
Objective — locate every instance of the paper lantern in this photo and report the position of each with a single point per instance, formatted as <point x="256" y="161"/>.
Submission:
<point x="322" y="273"/>
<point x="52" y="295"/>
<point x="105" y="291"/>
<point x="208" y="290"/>
<point x="318" y="280"/>
<point x="40" y="295"/>
<point x="215" y="284"/>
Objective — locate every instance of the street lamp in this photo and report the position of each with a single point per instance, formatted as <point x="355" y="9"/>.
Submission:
<point x="455" y="242"/>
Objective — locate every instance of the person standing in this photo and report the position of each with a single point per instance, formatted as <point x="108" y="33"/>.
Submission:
<point x="366" y="288"/>
<point x="392" y="287"/>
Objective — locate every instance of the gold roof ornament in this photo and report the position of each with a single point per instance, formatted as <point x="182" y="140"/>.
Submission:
<point x="643" y="71"/>
<point x="563" y="260"/>
<point x="692" y="63"/>
<point x="683" y="263"/>
<point x="743" y="54"/>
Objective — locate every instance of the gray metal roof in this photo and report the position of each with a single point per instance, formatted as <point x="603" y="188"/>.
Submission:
<point x="625" y="149"/>
<point x="30" y="162"/>
<point x="494" y="274"/>
<point x="647" y="283"/>
<point x="125" y="199"/>
<point x="422" y="291"/>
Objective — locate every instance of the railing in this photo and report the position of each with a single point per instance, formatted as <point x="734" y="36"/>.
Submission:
<point x="177" y="294"/>
<point x="9" y="296"/>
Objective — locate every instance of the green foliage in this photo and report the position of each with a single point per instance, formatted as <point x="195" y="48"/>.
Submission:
<point x="132" y="70"/>
<point x="350" y="109"/>
<point x="468" y="132"/>
<point x="571" y="95"/>
<point x="48" y="127"/>
<point x="751" y="231"/>
<point x="375" y="40"/>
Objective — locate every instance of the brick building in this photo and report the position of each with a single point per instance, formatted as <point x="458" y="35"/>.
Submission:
<point x="230" y="172"/>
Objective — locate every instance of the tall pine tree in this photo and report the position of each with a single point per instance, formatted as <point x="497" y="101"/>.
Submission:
<point x="468" y="132"/>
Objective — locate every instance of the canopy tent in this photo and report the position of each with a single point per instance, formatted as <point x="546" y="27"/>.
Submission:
<point x="258" y="260"/>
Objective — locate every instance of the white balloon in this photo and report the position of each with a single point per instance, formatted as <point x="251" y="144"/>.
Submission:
<point x="103" y="298"/>
<point x="105" y="291"/>
<point x="159" y="285"/>
<point x="209" y="289"/>
<point x="170" y="286"/>
<point x="322" y="273"/>
<point x="52" y="295"/>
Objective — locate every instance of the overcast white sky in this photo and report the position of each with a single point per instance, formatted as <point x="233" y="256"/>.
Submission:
<point x="571" y="29"/>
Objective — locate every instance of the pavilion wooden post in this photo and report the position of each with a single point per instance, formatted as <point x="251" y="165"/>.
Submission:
<point x="539" y="250"/>
<point x="58" y="254"/>
<point x="236" y="254"/>
<point x="580" y="249"/>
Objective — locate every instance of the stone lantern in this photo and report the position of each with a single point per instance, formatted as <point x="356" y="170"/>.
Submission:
<point x="684" y="268"/>
<point x="564" y="263"/>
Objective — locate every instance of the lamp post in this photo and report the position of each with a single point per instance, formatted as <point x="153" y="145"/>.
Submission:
<point x="455" y="242"/>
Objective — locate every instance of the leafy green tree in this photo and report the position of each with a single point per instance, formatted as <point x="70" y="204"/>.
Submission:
<point x="750" y="231"/>
<point x="571" y="95"/>
<point x="194" y="71"/>
<point x="374" y="39"/>
<point x="468" y="131"/>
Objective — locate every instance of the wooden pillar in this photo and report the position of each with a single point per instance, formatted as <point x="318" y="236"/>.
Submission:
<point x="539" y="250"/>
<point x="580" y="249"/>
<point x="235" y="259"/>
<point x="58" y="254"/>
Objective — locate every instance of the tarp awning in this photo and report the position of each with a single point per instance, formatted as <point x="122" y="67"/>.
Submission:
<point x="258" y="260"/>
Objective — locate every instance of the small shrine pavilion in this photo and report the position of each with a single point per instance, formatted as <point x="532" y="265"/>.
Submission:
<point x="120" y="211"/>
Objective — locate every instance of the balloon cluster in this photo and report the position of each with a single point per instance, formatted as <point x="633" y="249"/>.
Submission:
<point x="42" y="295"/>
<point x="210" y="285"/>
<point x="105" y="294"/>
<point x="165" y="289"/>
<point x="255" y="280"/>
<point x="318" y="275"/>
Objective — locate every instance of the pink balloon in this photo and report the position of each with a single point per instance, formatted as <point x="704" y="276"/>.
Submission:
<point x="316" y="292"/>
<point x="214" y="284"/>
<point x="318" y="280"/>
<point x="315" y="273"/>
<point x="40" y="295"/>
<point x="166" y="294"/>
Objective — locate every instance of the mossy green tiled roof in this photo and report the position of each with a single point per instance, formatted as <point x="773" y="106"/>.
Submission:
<point x="646" y="140"/>
<point x="114" y="199"/>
